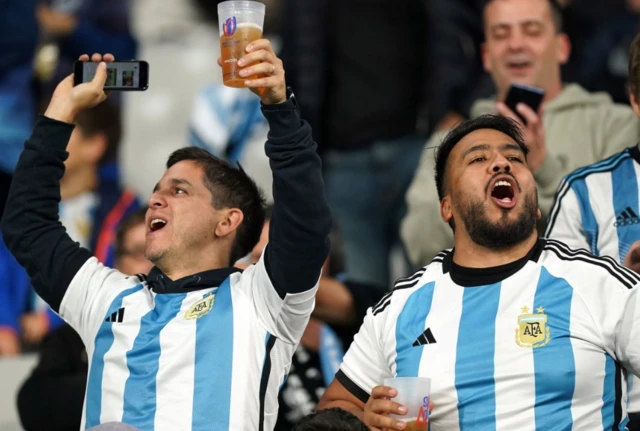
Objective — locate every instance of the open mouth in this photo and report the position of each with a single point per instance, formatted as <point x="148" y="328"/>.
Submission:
<point x="518" y="66"/>
<point x="157" y="224"/>
<point x="503" y="193"/>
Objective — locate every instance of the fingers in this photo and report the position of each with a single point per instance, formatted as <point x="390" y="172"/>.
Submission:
<point x="220" y="61"/>
<point x="506" y="112"/>
<point x="101" y="76"/>
<point x="388" y="406"/>
<point x="97" y="58"/>
<point x="257" y="57"/>
<point x="83" y="57"/>
<point x="108" y="57"/>
<point x="267" y="69"/>
<point x="260" y="44"/>
<point x="384" y="422"/>
<point x="383" y="392"/>
<point x="529" y="114"/>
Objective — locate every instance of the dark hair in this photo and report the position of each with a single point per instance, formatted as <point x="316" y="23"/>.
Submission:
<point x="230" y="187"/>
<point x="495" y="122"/>
<point x="334" y="419"/>
<point x="634" y="67"/>
<point x="130" y="221"/>
<point x="556" y="14"/>
<point x="103" y="118"/>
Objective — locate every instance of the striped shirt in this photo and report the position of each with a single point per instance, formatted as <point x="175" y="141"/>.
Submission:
<point x="542" y="343"/>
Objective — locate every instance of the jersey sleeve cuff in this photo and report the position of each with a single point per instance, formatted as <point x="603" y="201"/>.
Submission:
<point x="352" y="387"/>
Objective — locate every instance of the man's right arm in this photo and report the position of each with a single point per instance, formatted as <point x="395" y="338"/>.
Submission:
<point x="30" y="225"/>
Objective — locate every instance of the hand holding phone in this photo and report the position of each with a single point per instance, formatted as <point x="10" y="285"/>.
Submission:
<point x="527" y="94"/>
<point x="130" y="75"/>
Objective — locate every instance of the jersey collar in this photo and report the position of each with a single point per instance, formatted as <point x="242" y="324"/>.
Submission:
<point x="472" y="277"/>
<point x="160" y="283"/>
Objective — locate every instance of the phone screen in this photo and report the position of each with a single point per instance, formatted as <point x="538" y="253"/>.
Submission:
<point x="124" y="75"/>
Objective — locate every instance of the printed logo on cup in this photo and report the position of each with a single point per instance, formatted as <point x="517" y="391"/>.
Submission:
<point x="423" y="414"/>
<point x="229" y="26"/>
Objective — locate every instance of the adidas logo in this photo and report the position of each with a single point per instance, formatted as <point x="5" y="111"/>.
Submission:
<point x="425" y="338"/>
<point x="116" y="316"/>
<point x="628" y="217"/>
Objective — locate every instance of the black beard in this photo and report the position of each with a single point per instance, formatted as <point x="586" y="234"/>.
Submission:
<point x="504" y="233"/>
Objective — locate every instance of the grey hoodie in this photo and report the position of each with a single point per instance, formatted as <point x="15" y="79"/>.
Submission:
<point x="581" y="128"/>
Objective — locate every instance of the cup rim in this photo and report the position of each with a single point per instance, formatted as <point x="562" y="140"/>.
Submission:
<point x="241" y="5"/>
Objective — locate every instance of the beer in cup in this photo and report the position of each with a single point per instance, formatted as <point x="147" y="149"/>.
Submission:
<point x="241" y="23"/>
<point x="413" y="393"/>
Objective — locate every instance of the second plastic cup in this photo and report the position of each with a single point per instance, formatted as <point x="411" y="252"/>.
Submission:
<point x="241" y="23"/>
<point x="414" y="394"/>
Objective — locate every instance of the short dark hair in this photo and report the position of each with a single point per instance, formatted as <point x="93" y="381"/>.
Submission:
<point x="230" y="187"/>
<point x="334" y="419"/>
<point x="133" y="219"/>
<point x="495" y="122"/>
<point x="556" y="14"/>
<point x="103" y="118"/>
<point x="634" y="67"/>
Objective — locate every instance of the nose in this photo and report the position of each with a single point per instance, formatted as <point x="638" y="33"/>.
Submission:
<point x="156" y="200"/>
<point x="516" y="41"/>
<point x="500" y="164"/>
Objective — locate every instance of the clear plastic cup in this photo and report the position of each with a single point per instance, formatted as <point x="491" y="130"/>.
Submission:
<point x="241" y="23"/>
<point x="414" y="393"/>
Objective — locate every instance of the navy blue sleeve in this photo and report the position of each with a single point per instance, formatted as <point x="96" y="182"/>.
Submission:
<point x="30" y="225"/>
<point x="301" y="221"/>
<point x="88" y="38"/>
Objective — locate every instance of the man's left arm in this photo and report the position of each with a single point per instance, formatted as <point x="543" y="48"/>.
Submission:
<point x="301" y="221"/>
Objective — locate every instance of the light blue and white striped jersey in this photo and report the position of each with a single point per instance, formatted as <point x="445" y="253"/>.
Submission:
<point x="596" y="208"/>
<point x="542" y="343"/>
<point x="188" y="358"/>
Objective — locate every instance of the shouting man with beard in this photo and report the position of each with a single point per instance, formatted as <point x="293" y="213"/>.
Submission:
<point x="514" y="331"/>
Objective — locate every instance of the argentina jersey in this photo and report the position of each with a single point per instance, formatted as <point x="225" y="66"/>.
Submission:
<point x="596" y="208"/>
<point x="542" y="343"/>
<point x="207" y="352"/>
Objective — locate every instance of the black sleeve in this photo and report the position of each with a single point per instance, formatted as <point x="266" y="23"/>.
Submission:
<point x="301" y="221"/>
<point x="30" y="224"/>
<point x="52" y="397"/>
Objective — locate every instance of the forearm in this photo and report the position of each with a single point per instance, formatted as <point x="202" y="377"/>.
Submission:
<point x="299" y="229"/>
<point x="30" y="225"/>
<point x="334" y="303"/>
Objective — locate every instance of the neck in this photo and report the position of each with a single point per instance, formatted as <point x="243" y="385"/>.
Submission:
<point x="76" y="183"/>
<point x="471" y="255"/>
<point x="552" y="91"/>
<point x="192" y="266"/>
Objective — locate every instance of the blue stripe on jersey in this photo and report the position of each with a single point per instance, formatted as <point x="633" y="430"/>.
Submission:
<point x="609" y="393"/>
<point x="143" y="361"/>
<point x="601" y="166"/>
<point x="474" y="380"/>
<point x="625" y="196"/>
<point x="554" y="365"/>
<point x="409" y="326"/>
<point x="103" y="342"/>
<point x="213" y="364"/>
<point x="589" y="223"/>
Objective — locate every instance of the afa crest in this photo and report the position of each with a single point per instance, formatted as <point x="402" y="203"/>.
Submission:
<point x="201" y="307"/>
<point x="532" y="330"/>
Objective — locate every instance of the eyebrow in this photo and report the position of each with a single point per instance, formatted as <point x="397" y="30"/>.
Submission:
<point x="483" y="147"/>
<point x="174" y="182"/>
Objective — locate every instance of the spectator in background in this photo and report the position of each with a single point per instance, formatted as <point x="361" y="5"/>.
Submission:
<point x="339" y="310"/>
<point x="51" y="398"/>
<point x="596" y="208"/>
<point x="93" y="205"/>
<point x="525" y="44"/>
<point x="359" y="68"/>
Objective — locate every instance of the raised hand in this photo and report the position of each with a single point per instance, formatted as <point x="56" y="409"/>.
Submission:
<point x="532" y="132"/>
<point x="67" y="101"/>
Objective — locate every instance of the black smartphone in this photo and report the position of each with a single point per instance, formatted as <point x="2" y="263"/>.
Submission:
<point x="130" y="75"/>
<point x="527" y="94"/>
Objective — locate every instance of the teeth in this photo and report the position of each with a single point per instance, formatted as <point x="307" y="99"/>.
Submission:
<point x="157" y="220"/>
<point x="502" y="183"/>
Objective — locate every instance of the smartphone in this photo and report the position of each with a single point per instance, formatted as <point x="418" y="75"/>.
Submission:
<point x="130" y="75"/>
<point x="527" y="94"/>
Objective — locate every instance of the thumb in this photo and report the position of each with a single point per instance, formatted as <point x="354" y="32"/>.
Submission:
<point x="101" y="75"/>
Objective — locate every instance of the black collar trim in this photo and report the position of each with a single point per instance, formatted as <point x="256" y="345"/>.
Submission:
<point x="473" y="277"/>
<point x="635" y="153"/>
<point x="160" y="283"/>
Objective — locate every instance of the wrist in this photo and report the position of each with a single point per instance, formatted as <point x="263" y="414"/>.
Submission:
<point x="61" y="111"/>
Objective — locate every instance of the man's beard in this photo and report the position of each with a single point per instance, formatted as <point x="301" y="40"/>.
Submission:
<point x="504" y="233"/>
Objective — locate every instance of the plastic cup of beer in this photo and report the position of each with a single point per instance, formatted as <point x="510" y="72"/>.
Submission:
<point x="414" y="394"/>
<point x="241" y="23"/>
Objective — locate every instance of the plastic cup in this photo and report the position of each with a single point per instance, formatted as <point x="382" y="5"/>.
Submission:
<point x="241" y="23"/>
<point x="414" y="394"/>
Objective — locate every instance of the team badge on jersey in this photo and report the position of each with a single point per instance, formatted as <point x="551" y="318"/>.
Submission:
<point x="532" y="330"/>
<point x="201" y="307"/>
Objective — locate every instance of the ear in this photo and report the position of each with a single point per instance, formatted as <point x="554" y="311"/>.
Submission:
<point x="446" y="212"/>
<point x="94" y="147"/>
<point x="231" y="219"/>
<point x="634" y="103"/>
<point x="563" y="48"/>
<point x="486" y="63"/>
<point x="538" y="214"/>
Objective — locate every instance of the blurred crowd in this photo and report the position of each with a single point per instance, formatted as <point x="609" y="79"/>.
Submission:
<point x="380" y="82"/>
